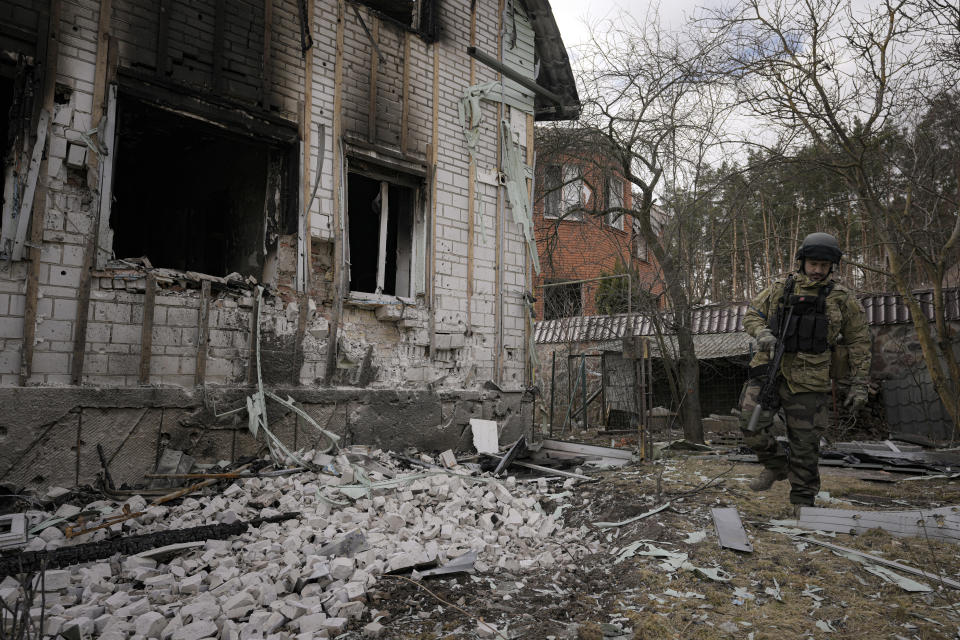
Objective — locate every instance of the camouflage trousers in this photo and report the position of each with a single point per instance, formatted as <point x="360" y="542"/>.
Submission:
<point x="806" y="415"/>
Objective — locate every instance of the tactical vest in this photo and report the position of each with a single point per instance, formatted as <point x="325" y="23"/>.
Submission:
<point x="806" y="328"/>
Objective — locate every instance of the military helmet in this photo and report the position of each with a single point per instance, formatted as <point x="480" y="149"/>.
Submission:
<point x="820" y="246"/>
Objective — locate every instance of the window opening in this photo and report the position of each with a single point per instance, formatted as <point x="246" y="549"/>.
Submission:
<point x="566" y="192"/>
<point x="419" y="16"/>
<point x="562" y="300"/>
<point x="615" y="201"/>
<point x="190" y="196"/>
<point x="381" y="231"/>
<point x="6" y="135"/>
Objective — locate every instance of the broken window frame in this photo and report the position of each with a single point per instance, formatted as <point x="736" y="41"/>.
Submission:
<point x="187" y="103"/>
<point x="424" y="17"/>
<point x="28" y="138"/>
<point x="400" y="175"/>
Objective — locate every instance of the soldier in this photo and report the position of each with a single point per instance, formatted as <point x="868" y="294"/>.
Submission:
<point x="825" y="315"/>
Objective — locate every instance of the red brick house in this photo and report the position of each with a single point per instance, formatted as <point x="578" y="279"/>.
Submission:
<point x="580" y="235"/>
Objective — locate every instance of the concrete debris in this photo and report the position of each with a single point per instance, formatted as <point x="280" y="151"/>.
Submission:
<point x="485" y="436"/>
<point x="308" y="576"/>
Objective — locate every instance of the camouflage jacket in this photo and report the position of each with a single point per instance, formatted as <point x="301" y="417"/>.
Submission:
<point x="846" y="328"/>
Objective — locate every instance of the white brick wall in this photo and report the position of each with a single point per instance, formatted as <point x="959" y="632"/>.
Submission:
<point x="115" y="317"/>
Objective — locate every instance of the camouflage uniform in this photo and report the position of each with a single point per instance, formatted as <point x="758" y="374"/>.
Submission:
<point x="804" y="384"/>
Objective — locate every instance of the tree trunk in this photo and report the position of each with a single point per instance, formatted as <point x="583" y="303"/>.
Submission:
<point x="688" y="371"/>
<point x="748" y="278"/>
<point x="688" y="368"/>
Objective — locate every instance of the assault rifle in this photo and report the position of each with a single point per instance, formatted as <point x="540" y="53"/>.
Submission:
<point x="769" y="399"/>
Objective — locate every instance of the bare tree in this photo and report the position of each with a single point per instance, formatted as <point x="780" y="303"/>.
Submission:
<point x="856" y="84"/>
<point x="648" y="98"/>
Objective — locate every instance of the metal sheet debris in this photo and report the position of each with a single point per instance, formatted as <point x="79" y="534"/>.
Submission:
<point x="463" y="564"/>
<point x="730" y="532"/>
<point x="937" y="524"/>
<point x="887" y="563"/>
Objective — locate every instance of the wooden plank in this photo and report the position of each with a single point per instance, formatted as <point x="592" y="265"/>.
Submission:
<point x="39" y="202"/>
<point x="937" y="524"/>
<point x="146" y="329"/>
<point x="374" y="74"/>
<point x="471" y="185"/>
<point x="101" y="105"/>
<point x="587" y="449"/>
<point x="27" y="204"/>
<point x="882" y="561"/>
<point x="100" y="76"/>
<point x="203" y="335"/>
<point x="163" y="66"/>
<point x="306" y="137"/>
<point x="405" y="98"/>
<point x="252" y="342"/>
<point x="266" y="75"/>
<point x="219" y="43"/>
<point x="433" y="160"/>
<point x="730" y="530"/>
<point x="338" y="179"/>
<point x="104" y="234"/>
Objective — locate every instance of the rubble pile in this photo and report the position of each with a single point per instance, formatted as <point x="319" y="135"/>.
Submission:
<point x="308" y="576"/>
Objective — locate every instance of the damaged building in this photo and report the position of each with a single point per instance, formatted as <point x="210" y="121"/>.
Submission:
<point x="329" y="199"/>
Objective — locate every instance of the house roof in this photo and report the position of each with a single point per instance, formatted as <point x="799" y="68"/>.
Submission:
<point x="881" y="309"/>
<point x="555" y="73"/>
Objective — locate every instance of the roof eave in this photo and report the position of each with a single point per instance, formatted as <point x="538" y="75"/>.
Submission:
<point x="555" y="72"/>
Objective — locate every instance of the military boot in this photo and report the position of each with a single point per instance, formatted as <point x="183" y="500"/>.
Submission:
<point x="765" y="480"/>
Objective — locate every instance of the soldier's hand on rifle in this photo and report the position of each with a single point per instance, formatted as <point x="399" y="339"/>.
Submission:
<point x="766" y="341"/>
<point x="856" y="397"/>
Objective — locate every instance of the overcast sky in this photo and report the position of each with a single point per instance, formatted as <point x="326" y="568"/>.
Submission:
<point x="573" y="15"/>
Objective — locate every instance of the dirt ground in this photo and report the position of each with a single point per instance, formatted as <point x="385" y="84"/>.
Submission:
<point x="822" y="595"/>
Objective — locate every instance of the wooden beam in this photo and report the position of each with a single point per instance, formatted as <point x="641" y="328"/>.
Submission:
<point x="338" y="179"/>
<point x="529" y="373"/>
<point x="100" y="106"/>
<point x="498" y="230"/>
<point x="163" y="38"/>
<point x="203" y="335"/>
<point x="471" y="185"/>
<point x="219" y="44"/>
<point x="146" y="329"/>
<point x="374" y="73"/>
<point x="405" y="99"/>
<point x="39" y="202"/>
<point x="433" y="159"/>
<point x="303" y="300"/>
<point x="252" y="342"/>
<point x="105" y="178"/>
<point x="100" y="75"/>
<point x="382" y="244"/>
<point x="306" y="137"/>
<point x="266" y="77"/>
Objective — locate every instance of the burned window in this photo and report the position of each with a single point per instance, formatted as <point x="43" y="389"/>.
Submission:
<point x="562" y="300"/>
<point x="19" y="136"/>
<point x="381" y="226"/>
<point x="192" y="196"/>
<point x="420" y="16"/>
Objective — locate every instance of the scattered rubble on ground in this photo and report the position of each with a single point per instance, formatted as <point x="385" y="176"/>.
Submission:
<point x="367" y="543"/>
